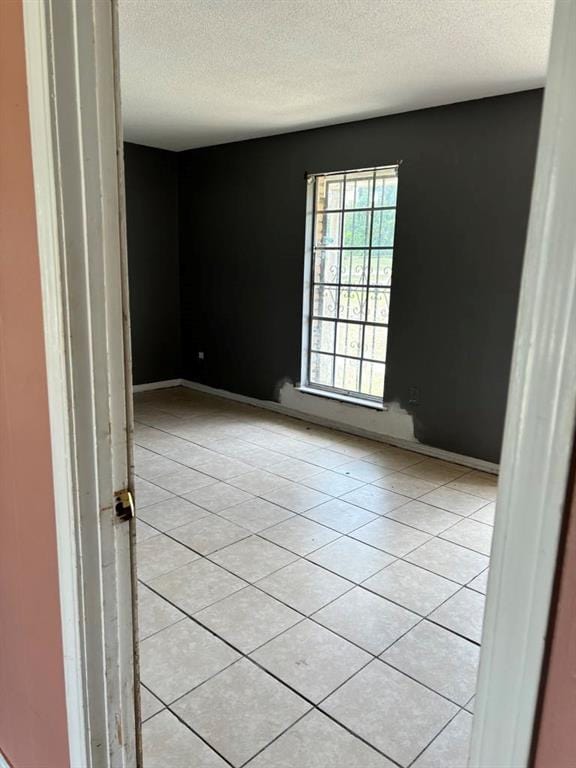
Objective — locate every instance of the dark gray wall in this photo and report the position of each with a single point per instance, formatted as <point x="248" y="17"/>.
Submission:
<point x="464" y="193"/>
<point x="153" y="264"/>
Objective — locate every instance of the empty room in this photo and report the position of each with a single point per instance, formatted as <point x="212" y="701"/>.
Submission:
<point x="326" y="214"/>
<point x="287" y="384"/>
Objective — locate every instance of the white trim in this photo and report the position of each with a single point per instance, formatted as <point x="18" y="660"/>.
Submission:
<point x="307" y="282"/>
<point x="269" y="405"/>
<point x="167" y="384"/>
<point x="71" y="603"/>
<point x="363" y="402"/>
<point x="75" y="149"/>
<point x="538" y="434"/>
<point x="3" y="762"/>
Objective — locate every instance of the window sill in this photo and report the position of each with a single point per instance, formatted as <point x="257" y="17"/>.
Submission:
<point x="347" y="399"/>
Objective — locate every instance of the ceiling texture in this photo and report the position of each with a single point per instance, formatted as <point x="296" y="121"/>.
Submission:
<point x="201" y="72"/>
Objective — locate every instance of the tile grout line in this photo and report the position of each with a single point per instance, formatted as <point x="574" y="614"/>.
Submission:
<point x="361" y="584"/>
<point x="305" y="557"/>
<point x="302" y="483"/>
<point x="349" y="534"/>
<point x="310" y="617"/>
<point x="339" y="498"/>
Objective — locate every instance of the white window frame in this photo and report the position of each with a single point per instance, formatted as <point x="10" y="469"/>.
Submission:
<point x="306" y="385"/>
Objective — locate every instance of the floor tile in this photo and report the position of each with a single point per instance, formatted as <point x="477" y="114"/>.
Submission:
<point x="304" y="586"/>
<point x="450" y="749"/>
<point x="453" y="501"/>
<point x="394" y="460"/>
<point x="355" y="447"/>
<point x="471" y="534"/>
<point x="480" y="583"/>
<point x="391" y="711"/>
<point x="478" y="484"/>
<point x="311" y="660"/>
<point x="470" y="706"/>
<point x="180" y="657"/>
<point x="392" y="537"/>
<point x="197" y="585"/>
<point x="377" y="500"/>
<point x="154" y="613"/>
<point x="149" y="465"/>
<point x="351" y="559"/>
<point x="154" y="439"/>
<point x="295" y="497"/>
<point x="223" y="468"/>
<point x="363" y="470"/>
<point x="463" y="613"/>
<point x="332" y="483"/>
<point x="171" y="513"/>
<point x="248" y="618"/>
<point x="416" y="589"/>
<point x="449" y="560"/>
<point x="366" y="619"/>
<point x="188" y="454"/>
<point x="340" y="516"/>
<point x="424" y="517"/>
<point x="318" y="742"/>
<point x="294" y="469"/>
<point x="485" y="514"/>
<point x="435" y="470"/>
<point x="159" y="555"/>
<point x="300" y="535"/>
<point x="144" y="531"/>
<point x="438" y="659"/>
<point x="296" y="449"/>
<point x="326" y="458"/>
<point x="168" y="743"/>
<point x="232" y="447"/>
<point x="262" y="457"/>
<point x="209" y="534"/>
<point x="256" y="514"/>
<point x="147" y="493"/>
<point x="149" y="704"/>
<point x="183" y="480"/>
<point x="336" y="483"/>
<point x="218" y="496"/>
<point x="406" y="485"/>
<point x="258" y="482"/>
<point x="241" y="710"/>
<point x="253" y="558"/>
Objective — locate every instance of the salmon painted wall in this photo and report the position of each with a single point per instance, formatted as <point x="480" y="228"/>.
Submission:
<point x="556" y="740"/>
<point x="32" y="702"/>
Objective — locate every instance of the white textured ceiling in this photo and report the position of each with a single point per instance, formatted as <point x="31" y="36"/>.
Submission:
<point x="201" y="72"/>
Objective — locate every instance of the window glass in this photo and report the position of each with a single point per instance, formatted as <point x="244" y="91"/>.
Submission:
<point x="352" y="253"/>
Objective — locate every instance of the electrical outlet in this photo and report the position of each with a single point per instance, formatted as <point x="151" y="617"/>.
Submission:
<point x="414" y="395"/>
<point x="200" y="355"/>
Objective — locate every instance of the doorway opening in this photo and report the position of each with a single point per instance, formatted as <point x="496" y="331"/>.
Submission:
<point x="313" y="572"/>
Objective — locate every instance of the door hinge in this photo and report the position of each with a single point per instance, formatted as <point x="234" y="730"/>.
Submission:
<point x="124" y="504"/>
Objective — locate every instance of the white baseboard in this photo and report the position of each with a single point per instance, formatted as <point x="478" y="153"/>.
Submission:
<point x="427" y="450"/>
<point x="157" y="385"/>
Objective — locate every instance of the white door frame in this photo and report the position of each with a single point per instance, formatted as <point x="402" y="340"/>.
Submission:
<point x="538" y="435"/>
<point x="77" y="159"/>
<point x="73" y="90"/>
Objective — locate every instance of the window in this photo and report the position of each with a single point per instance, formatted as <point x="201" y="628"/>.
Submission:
<point x="350" y="248"/>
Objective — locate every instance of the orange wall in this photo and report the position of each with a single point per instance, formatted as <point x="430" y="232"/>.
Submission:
<point x="556" y="740"/>
<point x="32" y="704"/>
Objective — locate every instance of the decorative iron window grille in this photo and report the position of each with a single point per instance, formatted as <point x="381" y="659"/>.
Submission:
<point x="350" y="247"/>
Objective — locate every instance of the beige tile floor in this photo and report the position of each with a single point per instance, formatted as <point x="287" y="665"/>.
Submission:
<point x="307" y="598"/>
